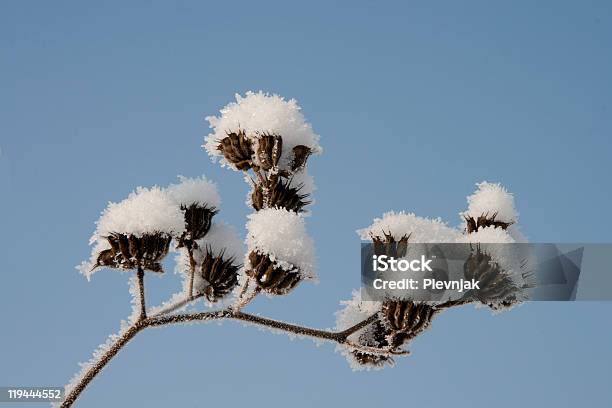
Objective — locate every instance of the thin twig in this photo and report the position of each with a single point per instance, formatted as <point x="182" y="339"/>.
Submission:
<point x="175" y="306"/>
<point x="244" y="298"/>
<point x="141" y="293"/>
<point x="192" y="267"/>
<point x="163" y="320"/>
<point x="104" y="360"/>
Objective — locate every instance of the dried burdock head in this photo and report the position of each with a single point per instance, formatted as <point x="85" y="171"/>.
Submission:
<point x="497" y="288"/>
<point x="270" y="277"/>
<point x="237" y="150"/>
<point x="280" y="193"/>
<point x="198" y="219"/>
<point x="300" y="155"/>
<point x="131" y="251"/>
<point x="269" y="150"/>
<point x="221" y="273"/>
<point x="483" y="221"/>
<point x="405" y="319"/>
<point x="389" y="246"/>
<point x="375" y="335"/>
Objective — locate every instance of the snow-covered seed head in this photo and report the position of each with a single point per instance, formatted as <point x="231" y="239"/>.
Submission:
<point x="135" y="231"/>
<point x="280" y="253"/>
<point x="280" y="193"/>
<point x="237" y="150"/>
<point x="261" y="130"/>
<point x="220" y="272"/>
<point x="274" y="280"/>
<point x="134" y="252"/>
<point x="405" y="319"/>
<point x="491" y="205"/>
<point x="198" y="200"/>
<point x="498" y="289"/>
<point x="198" y="220"/>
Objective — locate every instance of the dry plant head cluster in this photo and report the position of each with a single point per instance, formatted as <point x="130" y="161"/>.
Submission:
<point x="267" y="139"/>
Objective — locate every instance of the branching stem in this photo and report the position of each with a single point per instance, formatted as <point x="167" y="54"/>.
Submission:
<point x="164" y="318"/>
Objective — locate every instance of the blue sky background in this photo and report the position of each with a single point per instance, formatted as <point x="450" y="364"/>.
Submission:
<point x="414" y="101"/>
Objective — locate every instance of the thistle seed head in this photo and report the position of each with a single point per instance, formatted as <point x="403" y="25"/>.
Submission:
<point x="220" y="272"/>
<point x="198" y="219"/>
<point x="237" y="150"/>
<point x="497" y="288"/>
<point x="280" y="194"/>
<point x="483" y="221"/>
<point x="131" y="251"/>
<point x="270" y="277"/>
<point x="405" y="319"/>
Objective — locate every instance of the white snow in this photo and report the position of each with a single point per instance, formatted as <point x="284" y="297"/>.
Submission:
<point x="281" y="235"/>
<point x="489" y="199"/>
<point x="262" y="113"/>
<point x="421" y="230"/>
<point x="197" y="190"/>
<point x="146" y="210"/>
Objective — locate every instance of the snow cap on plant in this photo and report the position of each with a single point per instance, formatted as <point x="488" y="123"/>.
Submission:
<point x="398" y="225"/>
<point x="281" y="254"/>
<point x="502" y="267"/>
<point x="490" y="205"/>
<point x="217" y="258"/>
<point x="261" y="130"/>
<point x="135" y="232"/>
<point x="199" y="200"/>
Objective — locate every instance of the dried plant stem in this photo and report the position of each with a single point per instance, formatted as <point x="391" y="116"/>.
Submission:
<point x="229" y="313"/>
<point x="192" y="267"/>
<point x="244" y="297"/>
<point x="175" y="306"/>
<point x="141" y="293"/>
<point x="99" y="365"/>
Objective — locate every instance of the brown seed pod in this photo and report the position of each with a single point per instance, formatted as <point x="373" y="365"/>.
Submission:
<point x="406" y="319"/>
<point x="237" y="150"/>
<point x="300" y="155"/>
<point x="375" y="335"/>
<point x="483" y="221"/>
<point x="271" y="278"/>
<point x="496" y="286"/>
<point x="269" y="150"/>
<point x="389" y="246"/>
<point x="220" y="272"/>
<point x="198" y="219"/>
<point x="280" y="194"/>
<point x="131" y="252"/>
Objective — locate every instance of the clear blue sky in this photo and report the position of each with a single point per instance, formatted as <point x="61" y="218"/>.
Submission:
<point x="414" y="102"/>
